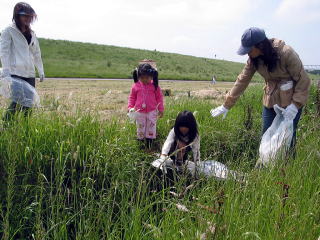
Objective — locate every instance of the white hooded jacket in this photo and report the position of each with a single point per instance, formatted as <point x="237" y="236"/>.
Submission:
<point x="17" y="56"/>
<point x="195" y="145"/>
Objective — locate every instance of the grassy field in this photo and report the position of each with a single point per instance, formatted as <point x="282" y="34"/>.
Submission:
<point x="66" y="173"/>
<point x="109" y="98"/>
<point x="66" y="59"/>
<point x="85" y="60"/>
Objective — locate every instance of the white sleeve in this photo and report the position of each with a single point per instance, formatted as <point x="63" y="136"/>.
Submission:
<point x="168" y="143"/>
<point x="5" y="49"/>
<point x="36" y="52"/>
<point x="196" y="149"/>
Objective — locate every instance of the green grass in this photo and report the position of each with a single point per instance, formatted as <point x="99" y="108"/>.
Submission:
<point x="75" y="177"/>
<point x="85" y="60"/>
<point x="66" y="59"/>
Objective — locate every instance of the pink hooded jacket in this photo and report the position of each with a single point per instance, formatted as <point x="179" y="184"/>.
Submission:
<point x="145" y="93"/>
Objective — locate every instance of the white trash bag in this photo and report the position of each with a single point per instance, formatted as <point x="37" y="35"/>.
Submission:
<point x="276" y="140"/>
<point x="216" y="169"/>
<point x="19" y="91"/>
<point x="208" y="168"/>
<point x="132" y="115"/>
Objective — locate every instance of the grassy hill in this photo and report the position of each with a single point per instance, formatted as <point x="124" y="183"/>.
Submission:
<point x="86" y="60"/>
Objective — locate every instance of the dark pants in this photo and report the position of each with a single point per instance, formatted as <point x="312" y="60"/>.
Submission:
<point x="15" y="107"/>
<point x="268" y="114"/>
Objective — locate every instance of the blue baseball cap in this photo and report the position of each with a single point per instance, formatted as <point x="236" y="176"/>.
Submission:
<point x="251" y="37"/>
<point x="24" y="13"/>
<point x="24" y="9"/>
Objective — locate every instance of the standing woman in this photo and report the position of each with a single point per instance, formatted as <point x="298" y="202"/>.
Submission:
<point x="286" y="82"/>
<point x="20" y="53"/>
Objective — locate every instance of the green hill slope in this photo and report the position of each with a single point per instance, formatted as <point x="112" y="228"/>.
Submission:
<point x="86" y="60"/>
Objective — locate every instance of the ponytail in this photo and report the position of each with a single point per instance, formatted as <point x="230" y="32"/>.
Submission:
<point x="135" y="75"/>
<point x="155" y="79"/>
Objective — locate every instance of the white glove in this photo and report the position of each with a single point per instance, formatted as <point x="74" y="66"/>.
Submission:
<point x="132" y="110"/>
<point x="290" y="112"/>
<point x="278" y="109"/>
<point x="42" y="77"/>
<point x="163" y="166"/>
<point x="218" y="111"/>
<point x="160" y="163"/>
<point x="5" y="73"/>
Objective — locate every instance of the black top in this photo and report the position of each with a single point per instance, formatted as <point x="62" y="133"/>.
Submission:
<point x="31" y="81"/>
<point x="28" y="37"/>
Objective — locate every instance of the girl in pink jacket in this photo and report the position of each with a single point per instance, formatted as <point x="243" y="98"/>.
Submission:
<point x="146" y="100"/>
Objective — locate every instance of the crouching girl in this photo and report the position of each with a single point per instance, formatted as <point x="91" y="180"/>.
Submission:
<point x="183" y="140"/>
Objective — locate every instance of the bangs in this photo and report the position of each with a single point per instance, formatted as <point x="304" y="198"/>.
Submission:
<point x="186" y="119"/>
<point x="146" y="70"/>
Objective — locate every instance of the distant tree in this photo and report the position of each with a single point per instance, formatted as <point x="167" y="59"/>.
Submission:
<point x="315" y="72"/>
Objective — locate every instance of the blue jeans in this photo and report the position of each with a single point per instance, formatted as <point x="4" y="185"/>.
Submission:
<point x="268" y="114"/>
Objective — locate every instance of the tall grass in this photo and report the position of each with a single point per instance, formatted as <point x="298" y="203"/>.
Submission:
<point x="75" y="177"/>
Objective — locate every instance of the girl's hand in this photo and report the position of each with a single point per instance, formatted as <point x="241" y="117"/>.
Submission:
<point x="162" y="156"/>
<point x="160" y="114"/>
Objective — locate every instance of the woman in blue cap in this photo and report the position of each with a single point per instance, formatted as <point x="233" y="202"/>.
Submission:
<point x="286" y="82"/>
<point x="20" y="54"/>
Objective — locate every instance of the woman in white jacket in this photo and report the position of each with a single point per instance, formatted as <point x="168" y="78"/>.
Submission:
<point x="20" y="52"/>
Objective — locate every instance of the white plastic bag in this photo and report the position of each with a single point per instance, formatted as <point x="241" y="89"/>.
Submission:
<point x="208" y="168"/>
<point x="276" y="140"/>
<point x="215" y="169"/>
<point x="19" y="91"/>
<point x="132" y="115"/>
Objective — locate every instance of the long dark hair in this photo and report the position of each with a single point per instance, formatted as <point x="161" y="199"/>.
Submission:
<point x="23" y="8"/>
<point x="146" y="69"/>
<point x="186" y="119"/>
<point x="269" y="57"/>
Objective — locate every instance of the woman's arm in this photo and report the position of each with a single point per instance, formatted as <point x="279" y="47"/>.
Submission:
<point x="36" y="52"/>
<point x="5" y="48"/>
<point x="299" y="75"/>
<point x="240" y="85"/>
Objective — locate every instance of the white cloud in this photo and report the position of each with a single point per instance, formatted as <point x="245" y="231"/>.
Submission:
<point x="299" y="11"/>
<point x="193" y="27"/>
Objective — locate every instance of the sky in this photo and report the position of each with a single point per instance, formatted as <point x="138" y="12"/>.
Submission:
<point x="204" y="28"/>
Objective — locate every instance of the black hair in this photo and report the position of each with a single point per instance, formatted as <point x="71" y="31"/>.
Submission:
<point x="27" y="10"/>
<point x="186" y="119"/>
<point x="146" y="69"/>
<point x="269" y="57"/>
